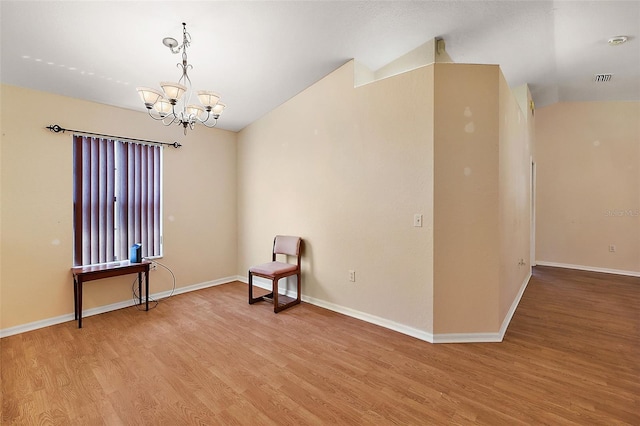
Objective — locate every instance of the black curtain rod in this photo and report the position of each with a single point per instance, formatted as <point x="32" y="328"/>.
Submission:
<point x="57" y="129"/>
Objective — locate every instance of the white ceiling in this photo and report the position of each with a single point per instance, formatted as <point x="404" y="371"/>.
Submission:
<point x="259" y="54"/>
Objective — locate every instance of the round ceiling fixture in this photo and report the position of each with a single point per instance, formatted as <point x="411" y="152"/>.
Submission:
<point x="614" y="41"/>
<point x="172" y="43"/>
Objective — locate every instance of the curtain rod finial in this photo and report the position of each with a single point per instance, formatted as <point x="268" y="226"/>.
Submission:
<point x="55" y="128"/>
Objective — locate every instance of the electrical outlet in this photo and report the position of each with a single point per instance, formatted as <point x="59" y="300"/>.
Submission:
<point x="612" y="248"/>
<point x="352" y="276"/>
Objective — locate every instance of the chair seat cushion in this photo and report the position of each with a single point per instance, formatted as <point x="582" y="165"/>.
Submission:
<point x="273" y="268"/>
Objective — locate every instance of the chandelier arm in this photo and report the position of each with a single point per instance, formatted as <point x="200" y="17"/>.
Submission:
<point x="157" y="118"/>
<point x="206" y="120"/>
<point x="168" y="123"/>
<point x="204" y="123"/>
<point x="200" y="120"/>
<point x="174" y="119"/>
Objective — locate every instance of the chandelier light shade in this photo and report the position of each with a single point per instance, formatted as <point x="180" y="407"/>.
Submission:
<point x="217" y="110"/>
<point x="149" y="96"/>
<point x="173" y="91"/>
<point x="172" y="105"/>
<point x="163" y="107"/>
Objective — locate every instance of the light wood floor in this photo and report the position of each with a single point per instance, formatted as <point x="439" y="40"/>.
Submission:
<point x="570" y="356"/>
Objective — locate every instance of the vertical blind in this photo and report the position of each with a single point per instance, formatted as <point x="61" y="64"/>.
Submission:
<point x="117" y="199"/>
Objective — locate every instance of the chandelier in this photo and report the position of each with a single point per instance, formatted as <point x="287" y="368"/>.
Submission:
<point x="165" y="106"/>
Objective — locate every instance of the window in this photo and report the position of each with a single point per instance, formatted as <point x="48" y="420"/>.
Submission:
<point x="117" y="199"/>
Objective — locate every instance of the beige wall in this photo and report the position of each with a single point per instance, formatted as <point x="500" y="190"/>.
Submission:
<point x="36" y="204"/>
<point x="515" y="158"/>
<point x="482" y="190"/>
<point x="588" y="185"/>
<point x="347" y="169"/>
<point x="466" y="254"/>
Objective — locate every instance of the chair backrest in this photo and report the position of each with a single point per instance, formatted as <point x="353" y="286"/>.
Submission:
<point x="288" y="245"/>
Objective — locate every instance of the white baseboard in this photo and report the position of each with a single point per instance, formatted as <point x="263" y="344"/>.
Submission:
<point x="195" y="287"/>
<point x="486" y="337"/>
<point x="373" y="319"/>
<point x="514" y="305"/>
<point x="6" y="332"/>
<point x="410" y="331"/>
<point x="588" y="268"/>
<point x="382" y="322"/>
<point x="107" y="308"/>
<point x="265" y="284"/>
<point x="467" y="338"/>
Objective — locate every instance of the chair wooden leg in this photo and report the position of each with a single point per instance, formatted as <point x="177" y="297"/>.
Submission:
<point x="277" y="307"/>
<point x="252" y="299"/>
<point x="284" y="306"/>
<point x="273" y="296"/>
<point x="274" y="289"/>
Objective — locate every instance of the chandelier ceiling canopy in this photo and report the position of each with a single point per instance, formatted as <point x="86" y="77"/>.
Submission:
<point x="172" y="105"/>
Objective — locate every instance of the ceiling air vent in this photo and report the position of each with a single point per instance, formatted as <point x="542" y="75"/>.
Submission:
<point x="602" y="78"/>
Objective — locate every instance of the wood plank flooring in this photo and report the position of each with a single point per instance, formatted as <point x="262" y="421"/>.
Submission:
<point x="570" y="356"/>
